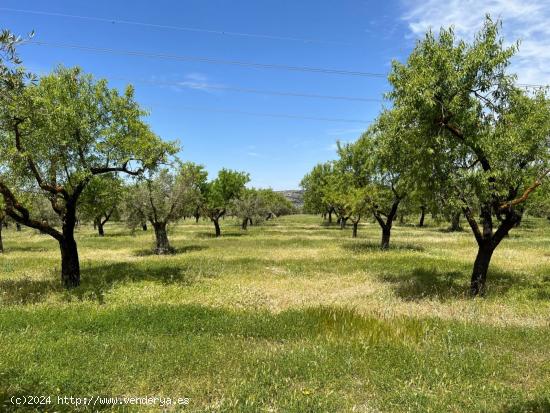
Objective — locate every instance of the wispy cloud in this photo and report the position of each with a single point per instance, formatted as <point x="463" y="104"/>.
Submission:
<point x="254" y="154"/>
<point x="199" y="81"/>
<point x="524" y="20"/>
<point x="193" y="80"/>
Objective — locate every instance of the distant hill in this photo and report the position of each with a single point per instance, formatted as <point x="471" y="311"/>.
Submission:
<point x="296" y="196"/>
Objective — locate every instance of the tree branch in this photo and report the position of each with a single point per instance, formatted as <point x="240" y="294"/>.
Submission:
<point x="525" y="196"/>
<point x="21" y="214"/>
<point x="54" y="189"/>
<point x="473" y="224"/>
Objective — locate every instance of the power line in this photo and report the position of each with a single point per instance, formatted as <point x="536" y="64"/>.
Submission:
<point x="208" y="60"/>
<point x="170" y="27"/>
<point x="208" y="86"/>
<point x="262" y="114"/>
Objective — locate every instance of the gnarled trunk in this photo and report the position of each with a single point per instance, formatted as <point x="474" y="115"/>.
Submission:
<point x="161" y="237"/>
<point x="487" y="241"/>
<point x="330" y="216"/>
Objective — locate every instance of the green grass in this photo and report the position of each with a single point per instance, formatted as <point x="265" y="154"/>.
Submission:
<point x="293" y="316"/>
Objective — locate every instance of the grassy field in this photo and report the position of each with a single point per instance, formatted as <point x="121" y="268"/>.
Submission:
<point x="292" y="316"/>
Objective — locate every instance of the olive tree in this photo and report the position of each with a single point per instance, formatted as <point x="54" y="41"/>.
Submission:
<point x="220" y="192"/>
<point x="277" y="203"/>
<point x="56" y="135"/>
<point x="163" y="197"/>
<point x="478" y="135"/>
<point x="251" y="207"/>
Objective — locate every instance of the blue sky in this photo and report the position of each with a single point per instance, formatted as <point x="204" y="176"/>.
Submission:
<point x="187" y="99"/>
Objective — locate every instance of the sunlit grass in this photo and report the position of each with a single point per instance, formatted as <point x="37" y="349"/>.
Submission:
<point x="290" y="316"/>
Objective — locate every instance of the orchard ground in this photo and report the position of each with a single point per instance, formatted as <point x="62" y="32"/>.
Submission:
<point x="292" y="316"/>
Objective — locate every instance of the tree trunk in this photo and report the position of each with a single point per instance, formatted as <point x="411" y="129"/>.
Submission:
<point x="422" y="216"/>
<point x="100" y="230"/>
<point x="330" y="217"/>
<point x="354" y="232"/>
<point x="217" y="227"/>
<point x="479" y="273"/>
<point x="17" y="226"/>
<point x="455" y="222"/>
<point x="386" y="234"/>
<point x="161" y="237"/>
<point x="70" y="265"/>
<point x="386" y="226"/>
<point x="244" y="225"/>
<point x="1" y="243"/>
<point x="343" y="222"/>
<point x="144" y="227"/>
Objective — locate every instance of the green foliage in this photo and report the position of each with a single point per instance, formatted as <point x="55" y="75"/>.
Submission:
<point x="102" y="199"/>
<point x="475" y="134"/>
<point x="314" y="185"/>
<point x="251" y="205"/>
<point x="276" y="203"/>
<point x="165" y="195"/>
<point x="220" y="192"/>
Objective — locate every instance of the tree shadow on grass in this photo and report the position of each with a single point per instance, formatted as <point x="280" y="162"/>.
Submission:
<point x="27" y="290"/>
<point x="369" y="246"/>
<point x="224" y="234"/>
<point x="27" y="248"/>
<point x="540" y="405"/>
<point x="95" y="282"/>
<point x="175" y="251"/>
<point x="429" y="283"/>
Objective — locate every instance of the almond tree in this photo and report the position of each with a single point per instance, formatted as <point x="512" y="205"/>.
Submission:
<point x="101" y="201"/>
<point x="251" y="206"/>
<point x="219" y="194"/>
<point x="56" y="135"/>
<point x="476" y="134"/>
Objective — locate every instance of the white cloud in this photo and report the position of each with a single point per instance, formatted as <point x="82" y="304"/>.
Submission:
<point x="198" y="81"/>
<point x="524" y="20"/>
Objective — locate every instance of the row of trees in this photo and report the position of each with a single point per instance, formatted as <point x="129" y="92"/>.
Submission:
<point x="459" y="138"/>
<point x="69" y="144"/>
